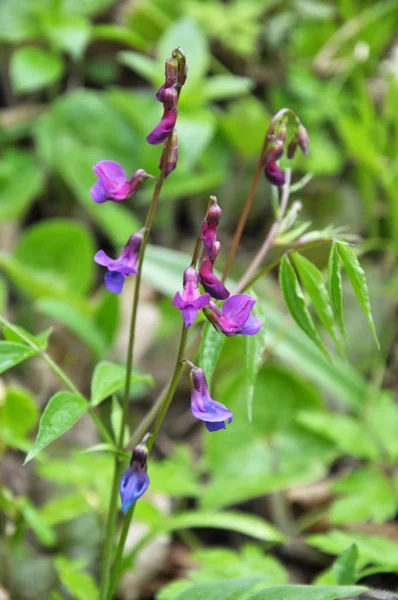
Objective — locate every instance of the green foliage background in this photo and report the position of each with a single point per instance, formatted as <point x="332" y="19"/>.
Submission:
<point x="77" y="87"/>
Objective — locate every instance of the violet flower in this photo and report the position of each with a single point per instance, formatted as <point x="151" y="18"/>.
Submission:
<point x="203" y="407"/>
<point x="135" y="481"/>
<point x="113" y="185"/>
<point x="165" y="127"/>
<point x="274" y="174"/>
<point x="210" y="281"/>
<point x="234" y="317"/>
<point x="119" y="268"/>
<point x="209" y="229"/>
<point x="191" y="301"/>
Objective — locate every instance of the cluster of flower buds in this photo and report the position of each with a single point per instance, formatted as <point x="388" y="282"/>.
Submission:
<point x="126" y="264"/>
<point x="135" y="481"/>
<point x="175" y="77"/>
<point x="207" y="277"/>
<point x="275" y="147"/>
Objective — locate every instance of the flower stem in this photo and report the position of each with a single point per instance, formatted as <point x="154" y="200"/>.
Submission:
<point x="250" y="195"/>
<point x="111" y="519"/>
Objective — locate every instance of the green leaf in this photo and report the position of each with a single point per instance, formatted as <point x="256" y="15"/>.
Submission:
<point x="16" y="192"/>
<point x="336" y="288"/>
<point x="116" y="421"/>
<point x="119" y="34"/>
<point x="64" y="508"/>
<point x="33" y="68"/>
<point x="176" y="475"/>
<point x="306" y="592"/>
<point x="225" y="87"/>
<point x="19" y="414"/>
<point x="295" y="302"/>
<point x="357" y="278"/>
<point x="33" y="519"/>
<point x="12" y="354"/>
<point x="62" y="250"/>
<point x="20" y="335"/>
<point x="74" y="319"/>
<point x="67" y="33"/>
<point x="109" y="378"/>
<point x="344" y="568"/>
<point x="141" y="64"/>
<point x="254" y="351"/>
<point x="81" y="585"/>
<point x="106" y="316"/>
<point x="210" y="350"/>
<point x="235" y="589"/>
<point x="312" y="281"/>
<point x="61" y="412"/>
<point x="246" y="524"/>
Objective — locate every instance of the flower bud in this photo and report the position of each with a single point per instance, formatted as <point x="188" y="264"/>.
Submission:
<point x="179" y="55"/>
<point x="209" y="229"/>
<point x="274" y="174"/>
<point x="135" y="481"/>
<point x="171" y="72"/>
<point x="274" y="150"/>
<point x="302" y="139"/>
<point x="280" y="130"/>
<point x="292" y="147"/>
<point x="173" y="154"/>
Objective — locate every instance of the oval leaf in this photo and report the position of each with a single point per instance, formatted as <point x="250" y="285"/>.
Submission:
<point x="61" y="412"/>
<point x="295" y="302"/>
<point x="312" y="281"/>
<point x="34" y="68"/>
<point x="12" y="354"/>
<point x="336" y="288"/>
<point x="357" y="278"/>
<point x="109" y="378"/>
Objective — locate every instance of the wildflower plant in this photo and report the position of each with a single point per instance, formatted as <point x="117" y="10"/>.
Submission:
<point x="228" y="308"/>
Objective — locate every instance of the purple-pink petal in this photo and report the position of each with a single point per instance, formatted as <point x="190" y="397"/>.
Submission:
<point x="251" y="327"/>
<point x="98" y="193"/>
<point x="110" y="173"/>
<point x="165" y="127"/>
<point x="189" y="314"/>
<point x="210" y="281"/>
<point x="238" y="307"/>
<point x="274" y="174"/>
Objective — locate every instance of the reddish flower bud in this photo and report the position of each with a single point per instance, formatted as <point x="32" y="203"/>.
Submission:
<point x="274" y="174"/>
<point x="209" y="229"/>
<point x="173" y="155"/>
<point x="274" y="149"/>
<point x="292" y="147"/>
<point x="210" y="281"/>
<point x="171" y="72"/>
<point x="280" y="130"/>
<point x="302" y="139"/>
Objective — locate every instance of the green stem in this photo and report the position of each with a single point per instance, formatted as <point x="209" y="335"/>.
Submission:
<point x="63" y="376"/>
<point x="165" y="402"/>
<point x="111" y="519"/>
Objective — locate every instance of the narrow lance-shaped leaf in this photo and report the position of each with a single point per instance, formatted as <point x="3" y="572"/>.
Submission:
<point x="312" y="280"/>
<point x="61" y="412"/>
<point x="336" y="288"/>
<point x="12" y="354"/>
<point x="254" y="350"/>
<point x="357" y="278"/>
<point x="344" y="568"/>
<point x="295" y="302"/>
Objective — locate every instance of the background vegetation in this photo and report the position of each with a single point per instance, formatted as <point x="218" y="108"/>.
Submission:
<point x="313" y="476"/>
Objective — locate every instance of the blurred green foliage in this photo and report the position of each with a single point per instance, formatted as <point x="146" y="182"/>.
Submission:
<point x="78" y="87"/>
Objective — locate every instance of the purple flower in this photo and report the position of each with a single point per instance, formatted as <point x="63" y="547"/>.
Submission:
<point x="191" y="301"/>
<point x="120" y="267"/>
<point x="113" y="185"/>
<point x="165" y="127"/>
<point x="173" y="155"/>
<point x="203" y="407"/>
<point x="234" y="317"/>
<point x="274" y="174"/>
<point x="303" y="139"/>
<point x="209" y="229"/>
<point x="210" y="281"/>
<point x="135" y="481"/>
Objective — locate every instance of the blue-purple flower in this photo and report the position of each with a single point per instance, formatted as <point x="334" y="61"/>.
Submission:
<point x="209" y="280"/>
<point x="274" y="174"/>
<point x="203" y="407"/>
<point x="135" y="481"/>
<point x="234" y="317"/>
<point x="119" y="268"/>
<point x="113" y="184"/>
<point x="191" y="301"/>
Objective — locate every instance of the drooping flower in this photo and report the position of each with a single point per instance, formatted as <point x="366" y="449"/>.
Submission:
<point x="209" y="280"/>
<point x="173" y="155"/>
<point x="209" y="229"/>
<point x="203" y="407"/>
<point x="234" y="317"/>
<point x="119" y="268"/>
<point x="274" y="174"/>
<point x="113" y="184"/>
<point x="135" y="481"/>
<point x="191" y="301"/>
